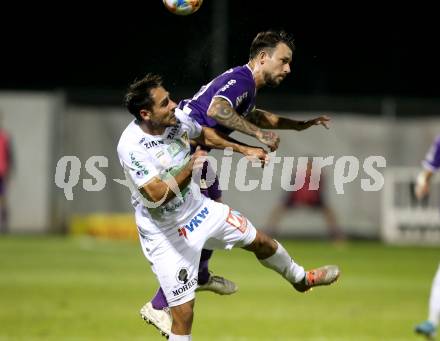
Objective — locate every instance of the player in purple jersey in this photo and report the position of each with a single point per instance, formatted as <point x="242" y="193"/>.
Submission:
<point x="227" y="103"/>
<point x="431" y="164"/>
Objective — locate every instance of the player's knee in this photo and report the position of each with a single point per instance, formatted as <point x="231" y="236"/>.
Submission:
<point x="269" y="246"/>
<point x="263" y="246"/>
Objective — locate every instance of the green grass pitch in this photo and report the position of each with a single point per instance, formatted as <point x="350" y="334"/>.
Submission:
<point x="85" y="289"/>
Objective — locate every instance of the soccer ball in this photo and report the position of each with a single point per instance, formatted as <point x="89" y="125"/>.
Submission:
<point x="182" y="7"/>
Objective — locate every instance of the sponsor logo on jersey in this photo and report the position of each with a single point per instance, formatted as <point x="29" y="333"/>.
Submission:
<point x="185" y="138"/>
<point x="236" y="219"/>
<point x="175" y="147"/>
<point x="164" y="158"/>
<point x="227" y="85"/>
<point x="174" y="130"/>
<point x="190" y="283"/>
<point x="240" y="99"/>
<point x="182" y="232"/>
<point x="194" y="222"/>
<point x="182" y="275"/>
<point x="140" y="167"/>
<point x="154" y="143"/>
<point x="174" y="204"/>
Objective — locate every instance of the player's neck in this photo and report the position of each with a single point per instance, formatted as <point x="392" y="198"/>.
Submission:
<point x="150" y="128"/>
<point x="257" y="74"/>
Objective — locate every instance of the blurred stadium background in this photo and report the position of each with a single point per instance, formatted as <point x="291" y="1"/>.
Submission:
<point x="63" y="77"/>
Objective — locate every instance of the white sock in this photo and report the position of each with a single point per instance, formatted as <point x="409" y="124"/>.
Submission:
<point x="282" y="263"/>
<point x="174" y="337"/>
<point x="434" y="300"/>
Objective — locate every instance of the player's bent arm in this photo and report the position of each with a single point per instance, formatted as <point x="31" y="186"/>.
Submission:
<point x="222" y="111"/>
<point x="156" y="189"/>
<point x="216" y="140"/>
<point x="267" y="120"/>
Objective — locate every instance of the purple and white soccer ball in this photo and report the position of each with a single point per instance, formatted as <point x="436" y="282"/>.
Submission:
<point x="182" y="7"/>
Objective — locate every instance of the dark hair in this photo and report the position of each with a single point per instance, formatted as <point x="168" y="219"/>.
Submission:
<point x="139" y="94"/>
<point x="269" y="40"/>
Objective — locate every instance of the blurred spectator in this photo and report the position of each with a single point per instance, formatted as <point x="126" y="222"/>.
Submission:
<point x="305" y="197"/>
<point x="431" y="165"/>
<point x="6" y="164"/>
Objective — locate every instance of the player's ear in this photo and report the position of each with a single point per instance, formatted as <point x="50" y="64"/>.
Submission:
<point x="262" y="56"/>
<point x="145" y="114"/>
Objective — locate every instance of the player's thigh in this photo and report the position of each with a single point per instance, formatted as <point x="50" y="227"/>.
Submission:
<point x="233" y="229"/>
<point x="176" y="269"/>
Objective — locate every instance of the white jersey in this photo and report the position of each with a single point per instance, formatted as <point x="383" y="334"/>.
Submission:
<point x="144" y="156"/>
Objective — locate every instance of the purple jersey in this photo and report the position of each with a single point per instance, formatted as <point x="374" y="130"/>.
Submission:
<point x="432" y="158"/>
<point x="236" y="85"/>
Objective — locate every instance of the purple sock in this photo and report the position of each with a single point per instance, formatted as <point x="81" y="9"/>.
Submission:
<point x="203" y="266"/>
<point x="159" y="301"/>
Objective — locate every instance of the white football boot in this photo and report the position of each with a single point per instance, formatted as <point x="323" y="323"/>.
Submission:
<point x="161" y="319"/>
<point x="325" y="275"/>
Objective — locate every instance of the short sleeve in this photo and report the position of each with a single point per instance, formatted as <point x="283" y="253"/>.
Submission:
<point x="189" y="124"/>
<point x="235" y="90"/>
<point x="137" y="165"/>
<point x="432" y="158"/>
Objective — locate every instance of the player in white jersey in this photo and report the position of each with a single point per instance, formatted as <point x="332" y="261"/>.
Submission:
<point x="431" y="165"/>
<point x="174" y="221"/>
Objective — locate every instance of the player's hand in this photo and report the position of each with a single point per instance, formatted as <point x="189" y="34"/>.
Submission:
<point x="269" y="138"/>
<point x="422" y="186"/>
<point x="323" y="121"/>
<point x="198" y="158"/>
<point x="256" y="154"/>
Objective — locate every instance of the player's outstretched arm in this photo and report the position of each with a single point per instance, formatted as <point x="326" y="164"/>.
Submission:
<point x="267" y="120"/>
<point x="224" y="114"/>
<point x="216" y="140"/>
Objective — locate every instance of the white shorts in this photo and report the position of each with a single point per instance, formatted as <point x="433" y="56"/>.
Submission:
<point x="175" y="257"/>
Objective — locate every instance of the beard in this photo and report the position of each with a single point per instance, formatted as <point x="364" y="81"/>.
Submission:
<point x="270" y="81"/>
<point x="172" y="122"/>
